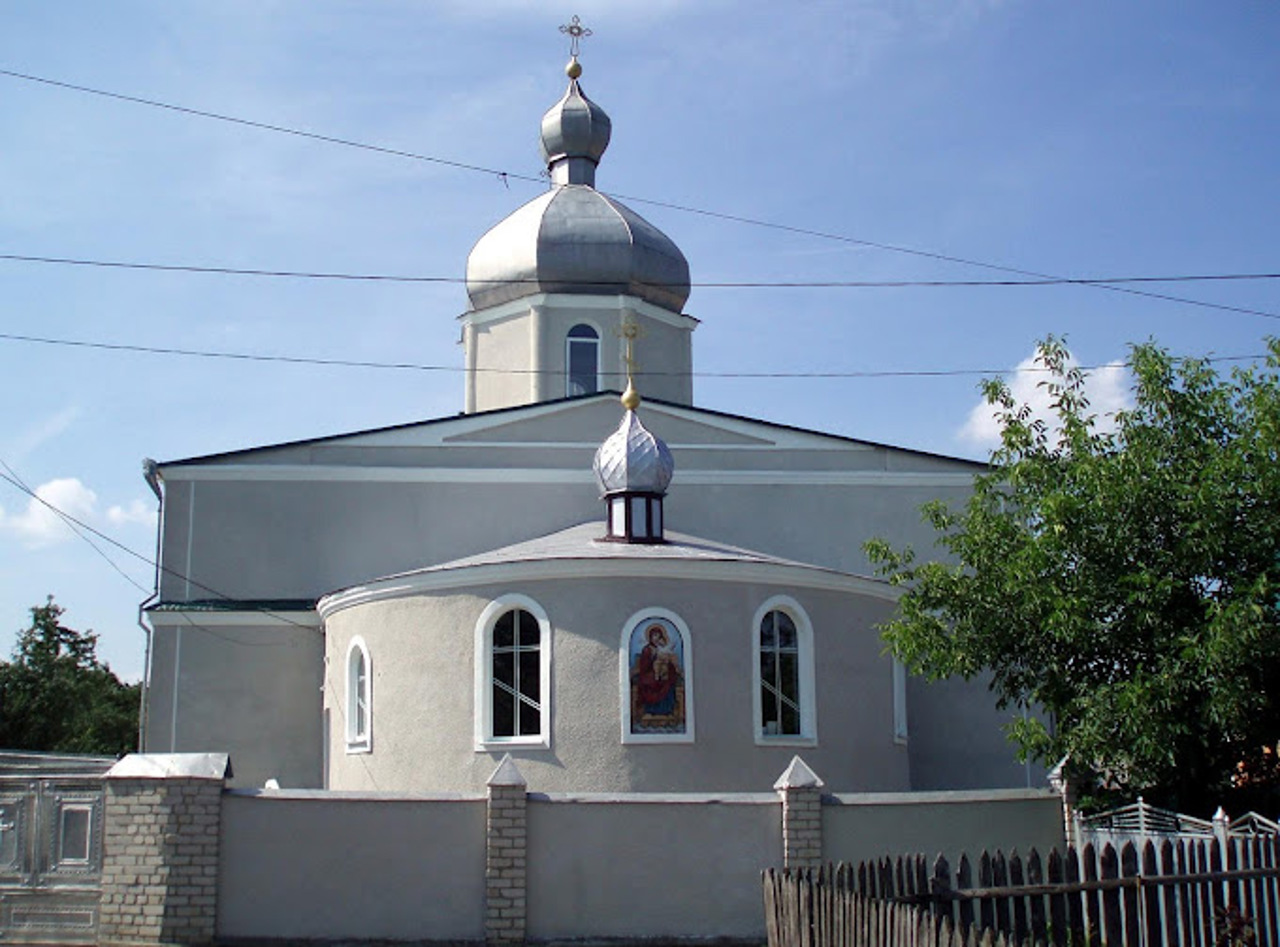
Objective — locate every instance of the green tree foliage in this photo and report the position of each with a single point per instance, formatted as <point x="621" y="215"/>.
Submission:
<point x="1123" y="581"/>
<point x="55" y="695"/>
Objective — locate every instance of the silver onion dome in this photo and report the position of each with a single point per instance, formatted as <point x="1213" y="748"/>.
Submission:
<point x="573" y="239"/>
<point x="575" y="134"/>
<point x="632" y="460"/>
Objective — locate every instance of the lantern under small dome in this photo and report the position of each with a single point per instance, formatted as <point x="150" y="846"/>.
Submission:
<point x="633" y="468"/>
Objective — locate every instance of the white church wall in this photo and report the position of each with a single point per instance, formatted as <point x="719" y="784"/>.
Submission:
<point x="661" y="867"/>
<point x="958" y="742"/>
<point x="327" y="867"/>
<point x="250" y="687"/>
<point x="258" y="538"/>
<point x="507" y="341"/>
<point x="422" y="655"/>
<point x="500" y="352"/>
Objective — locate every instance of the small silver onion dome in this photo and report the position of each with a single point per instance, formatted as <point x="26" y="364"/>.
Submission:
<point x="575" y="127"/>
<point x="632" y="460"/>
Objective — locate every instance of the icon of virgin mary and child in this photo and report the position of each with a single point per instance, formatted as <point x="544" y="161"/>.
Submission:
<point x="656" y="678"/>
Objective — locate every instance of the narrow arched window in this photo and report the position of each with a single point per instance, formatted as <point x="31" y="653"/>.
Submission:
<point x="513" y="643"/>
<point x="784" y="680"/>
<point x="358" y="704"/>
<point x="582" y="361"/>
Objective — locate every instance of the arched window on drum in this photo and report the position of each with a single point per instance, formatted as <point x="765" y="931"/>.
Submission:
<point x="783" y="698"/>
<point x="582" y="361"/>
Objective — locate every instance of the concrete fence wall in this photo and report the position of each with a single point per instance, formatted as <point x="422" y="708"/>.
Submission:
<point x="510" y="865"/>
<point x="860" y="826"/>
<point x="317" y="865"/>
<point x="650" y="866"/>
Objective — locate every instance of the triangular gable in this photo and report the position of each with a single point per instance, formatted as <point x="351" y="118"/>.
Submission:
<point x="579" y="421"/>
<point x="592" y="421"/>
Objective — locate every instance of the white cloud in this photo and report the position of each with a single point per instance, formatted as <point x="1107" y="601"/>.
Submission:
<point x="37" y="525"/>
<point x="136" y="512"/>
<point x="1107" y="389"/>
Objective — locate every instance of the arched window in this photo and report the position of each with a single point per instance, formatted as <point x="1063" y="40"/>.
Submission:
<point x="582" y="361"/>
<point x="655" y="663"/>
<point x="359" y="703"/>
<point x="783" y="685"/>
<point x="513" y="673"/>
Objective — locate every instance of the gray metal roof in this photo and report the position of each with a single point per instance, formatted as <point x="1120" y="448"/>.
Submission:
<point x="585" y="541"/>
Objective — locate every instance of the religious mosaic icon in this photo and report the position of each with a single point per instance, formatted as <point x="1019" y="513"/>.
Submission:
<point x="656" y="653"/>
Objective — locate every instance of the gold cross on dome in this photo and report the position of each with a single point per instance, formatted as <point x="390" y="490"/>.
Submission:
<point x="631" y="331"/>
<point x="575" y="31"/>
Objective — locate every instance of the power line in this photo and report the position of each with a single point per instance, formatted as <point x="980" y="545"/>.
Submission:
<point x="13" y="480"/>
<point x="705" y="284"/>
<point x="267" y="126"/>
<point x="418" y="367"/>
<point x="506" y="176"/>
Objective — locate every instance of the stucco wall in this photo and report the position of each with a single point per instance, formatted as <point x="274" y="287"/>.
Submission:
<point x="250" y="689"/>
<point x="534" y="335"/>
<point x="300" y="865"/>
<point x="858" y="827"/>
<point x="667" y="867"/>
<point x="422" y="655"/>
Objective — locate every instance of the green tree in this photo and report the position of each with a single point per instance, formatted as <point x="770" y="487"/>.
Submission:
<point x="1122" y="582"/>
<point x="55" y="695"/>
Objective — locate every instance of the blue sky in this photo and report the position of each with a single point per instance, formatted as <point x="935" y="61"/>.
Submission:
<point x="1082" y="139"/>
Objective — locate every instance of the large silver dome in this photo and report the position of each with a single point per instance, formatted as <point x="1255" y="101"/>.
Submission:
<point x="574" y="239"/>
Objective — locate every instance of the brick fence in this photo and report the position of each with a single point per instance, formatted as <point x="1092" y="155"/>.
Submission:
<point x="160" y="849"/>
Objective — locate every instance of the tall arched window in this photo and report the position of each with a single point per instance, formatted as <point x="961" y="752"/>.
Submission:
<point x="513" y="673"/>
<point x="582" y="361"/>
<point x="783" y="698"/>
<point x="358" y="703"/>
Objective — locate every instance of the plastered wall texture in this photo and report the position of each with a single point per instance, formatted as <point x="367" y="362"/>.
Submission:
<point x="160" y="861"/>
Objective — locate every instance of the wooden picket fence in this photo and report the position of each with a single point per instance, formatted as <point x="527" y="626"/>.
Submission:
<point x="1188" y="893"/>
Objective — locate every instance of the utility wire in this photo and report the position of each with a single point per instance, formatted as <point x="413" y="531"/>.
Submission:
<point x="16" y="482"/>
<point x="708" y="284"/>
<point x="267" y="126"/>
<point x="506" y="176"/>
<point x="417" y="367"/>
<point x="15" y="479"/>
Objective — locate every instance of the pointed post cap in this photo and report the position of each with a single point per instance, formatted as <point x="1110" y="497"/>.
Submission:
<point x="798" y="776"/>
<point x="1221" y="816"/>
<point x="507" y="773"/>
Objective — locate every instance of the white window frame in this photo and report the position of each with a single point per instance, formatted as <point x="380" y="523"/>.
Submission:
<point x="483" y="713"/>
<point x="808" y="735"/>
<point x="624" y="678"/>
<point x="568" y="345"/>
<point x="358" y="741"/>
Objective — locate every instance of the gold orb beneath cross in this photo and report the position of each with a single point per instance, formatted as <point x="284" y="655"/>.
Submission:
<point x="574" y="69"/>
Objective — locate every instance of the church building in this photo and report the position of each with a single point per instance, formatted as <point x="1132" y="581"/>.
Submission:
<point x="583" y="569"/>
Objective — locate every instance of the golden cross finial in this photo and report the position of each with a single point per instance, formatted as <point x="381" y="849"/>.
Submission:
<point x="575" y="31"/>
<point x="631" y="331"/>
